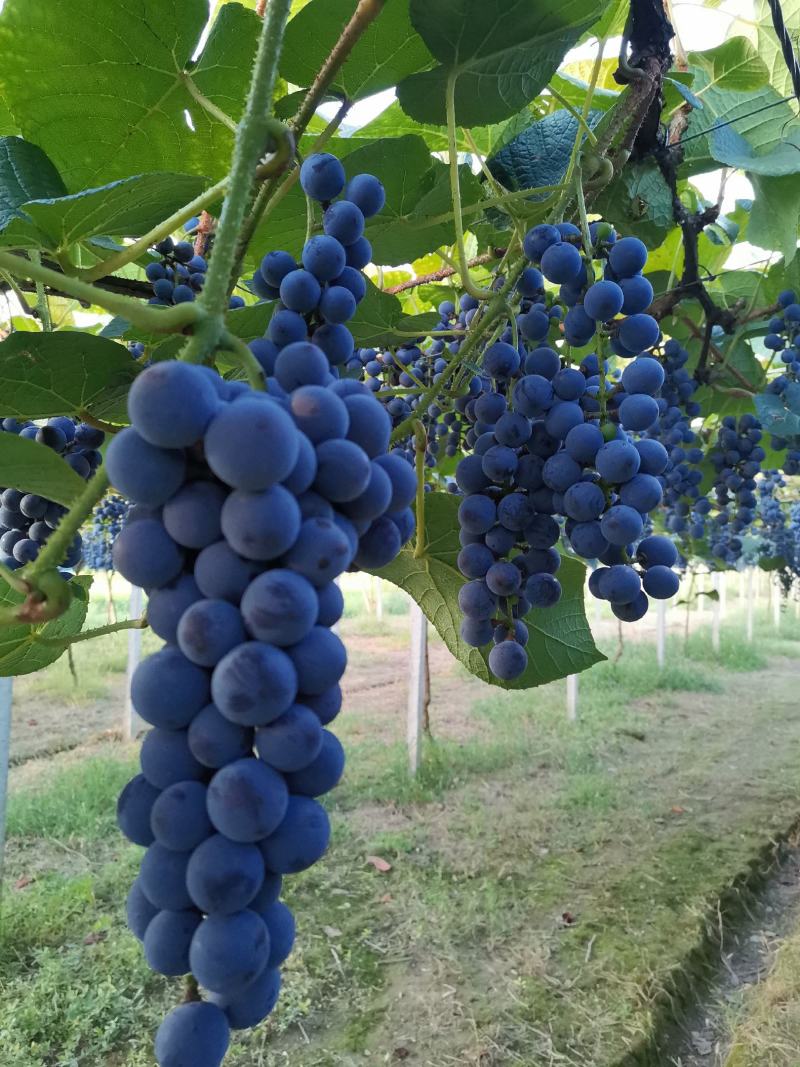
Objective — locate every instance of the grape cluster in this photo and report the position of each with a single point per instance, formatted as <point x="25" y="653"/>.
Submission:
<point x="736" y="457"/>
<point x="784" y="338"/>
<point x="560" y="447"/>
<point x="320" y="294"/>
<point x="248" y="505"/>
<point x="106" y="524"/>
<point x="27" y="519"/>
<point x="177" y="276"/>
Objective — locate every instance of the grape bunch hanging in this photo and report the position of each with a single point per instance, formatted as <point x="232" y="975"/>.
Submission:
<point x="247" y="506"/>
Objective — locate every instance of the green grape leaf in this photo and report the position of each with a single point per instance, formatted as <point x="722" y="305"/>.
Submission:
<point x="500" y="53"/>
<point x="775" y="416"/>
<point x="25" y="173"/>
<point x="753" y="128"/>
<point x="380" y="320"/>
<point x="540" y="154"/>
<point x="776" y="209"/>
<point x="34" y="468"/>
<point x="23" y="649"/>
<point x="128" y="208"/>
<point x="64" y="373"/>
<point x="561" y="642"/>
<point x="639" y="202"/>
<point x="769" y="48"/>
<point x="102" y="88"/>
<point x="733" y="65"/>
<point x="388" y="50"/>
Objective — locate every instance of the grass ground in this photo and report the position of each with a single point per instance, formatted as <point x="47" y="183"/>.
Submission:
<point x="768" y="1031"/>
<point x="547" y="879"/>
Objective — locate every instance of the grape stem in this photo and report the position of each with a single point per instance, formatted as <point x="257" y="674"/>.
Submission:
<point x="420" y="448"/>
<point x="57" y="545"/>
<point x="146" y="317"/>
<point x="246" y="359"/>
<point x="270" y="193"/>
<point x="158" y="233"/>
<point x="42" y="305"/>
<point x="97" y="631"/>
<point x="493" y="310"/>
<point x="255" y="130"/>
<point x="455" y="194"/>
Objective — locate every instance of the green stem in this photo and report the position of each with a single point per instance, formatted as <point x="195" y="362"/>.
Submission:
<point x="492" y="311"/>
<point x="252" y="135"/>
<point x="57" y="546"/>
<point x="208" y="105"/>
<point x="158" y="233"/>
<point x="25" y="307"/>
<point x="420" y="447"/>
<point x="145" y="316"/>
<point x="248" y="362"/>
<point x="42" y="305"/>
<point x="558" y="212"/>
<point x="587" y="237"/>
<point x="602" y="395"/>
<point x="575" y="114"/>
<point x="13" y="579"/>
<point x="98" y="631"/>
<point x="272" y="192"/>
<point x="455" y="194"/>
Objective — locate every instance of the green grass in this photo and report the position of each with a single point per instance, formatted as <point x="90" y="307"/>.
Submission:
<point x="767" y="1033"/>
<point x="632" y="821"/>
<point x="72" y="804"/>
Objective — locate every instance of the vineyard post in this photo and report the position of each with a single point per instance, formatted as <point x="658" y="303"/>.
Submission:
<point x="723" y="593"/>
<point x="572" y="698"/>
<point x="661" y="633"/>
<point x="132" y="724"/>
<point x="416" y="684"/>
<point x="715" y="613"/>
<point x="776" y="604"/>
<point x="378" y="588"/>
<point x="6" y="689"/>
<point x="749" y="604"/>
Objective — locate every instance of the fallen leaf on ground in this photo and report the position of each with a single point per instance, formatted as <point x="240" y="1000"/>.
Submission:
<point x="25" y="880"/>
<point x="331" y="931"/>
<point x="379" y="864"/>
<point x="95" y="937"/>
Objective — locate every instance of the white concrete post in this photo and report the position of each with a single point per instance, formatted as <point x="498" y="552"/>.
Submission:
<point x="572" y="697"/>
<point x="416" y="684"/>
<point x="133" y="724"/>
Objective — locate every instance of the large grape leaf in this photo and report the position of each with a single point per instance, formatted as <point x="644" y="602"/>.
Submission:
<point x="127" y="208"/>
<point x="775" y="417"/>
<point x="388" y="50"/>
<point x="776" y="209"/>
<point x="393" y="122"/>
<point x="733" y="65"/>
<point x="561" y="642"/>
<point x="501" y="53"/>
<point x="34" y="468"/>
<point x="25" y="173"/>
<point x="540" y="154"/>
<point x="64" y="373"/>
<point x="102" y="87"/>
<point x="23" y="649"/>
<point x="740" y="127"/>
<point x="769" y="48"/>
<point x="639" y="202"/>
